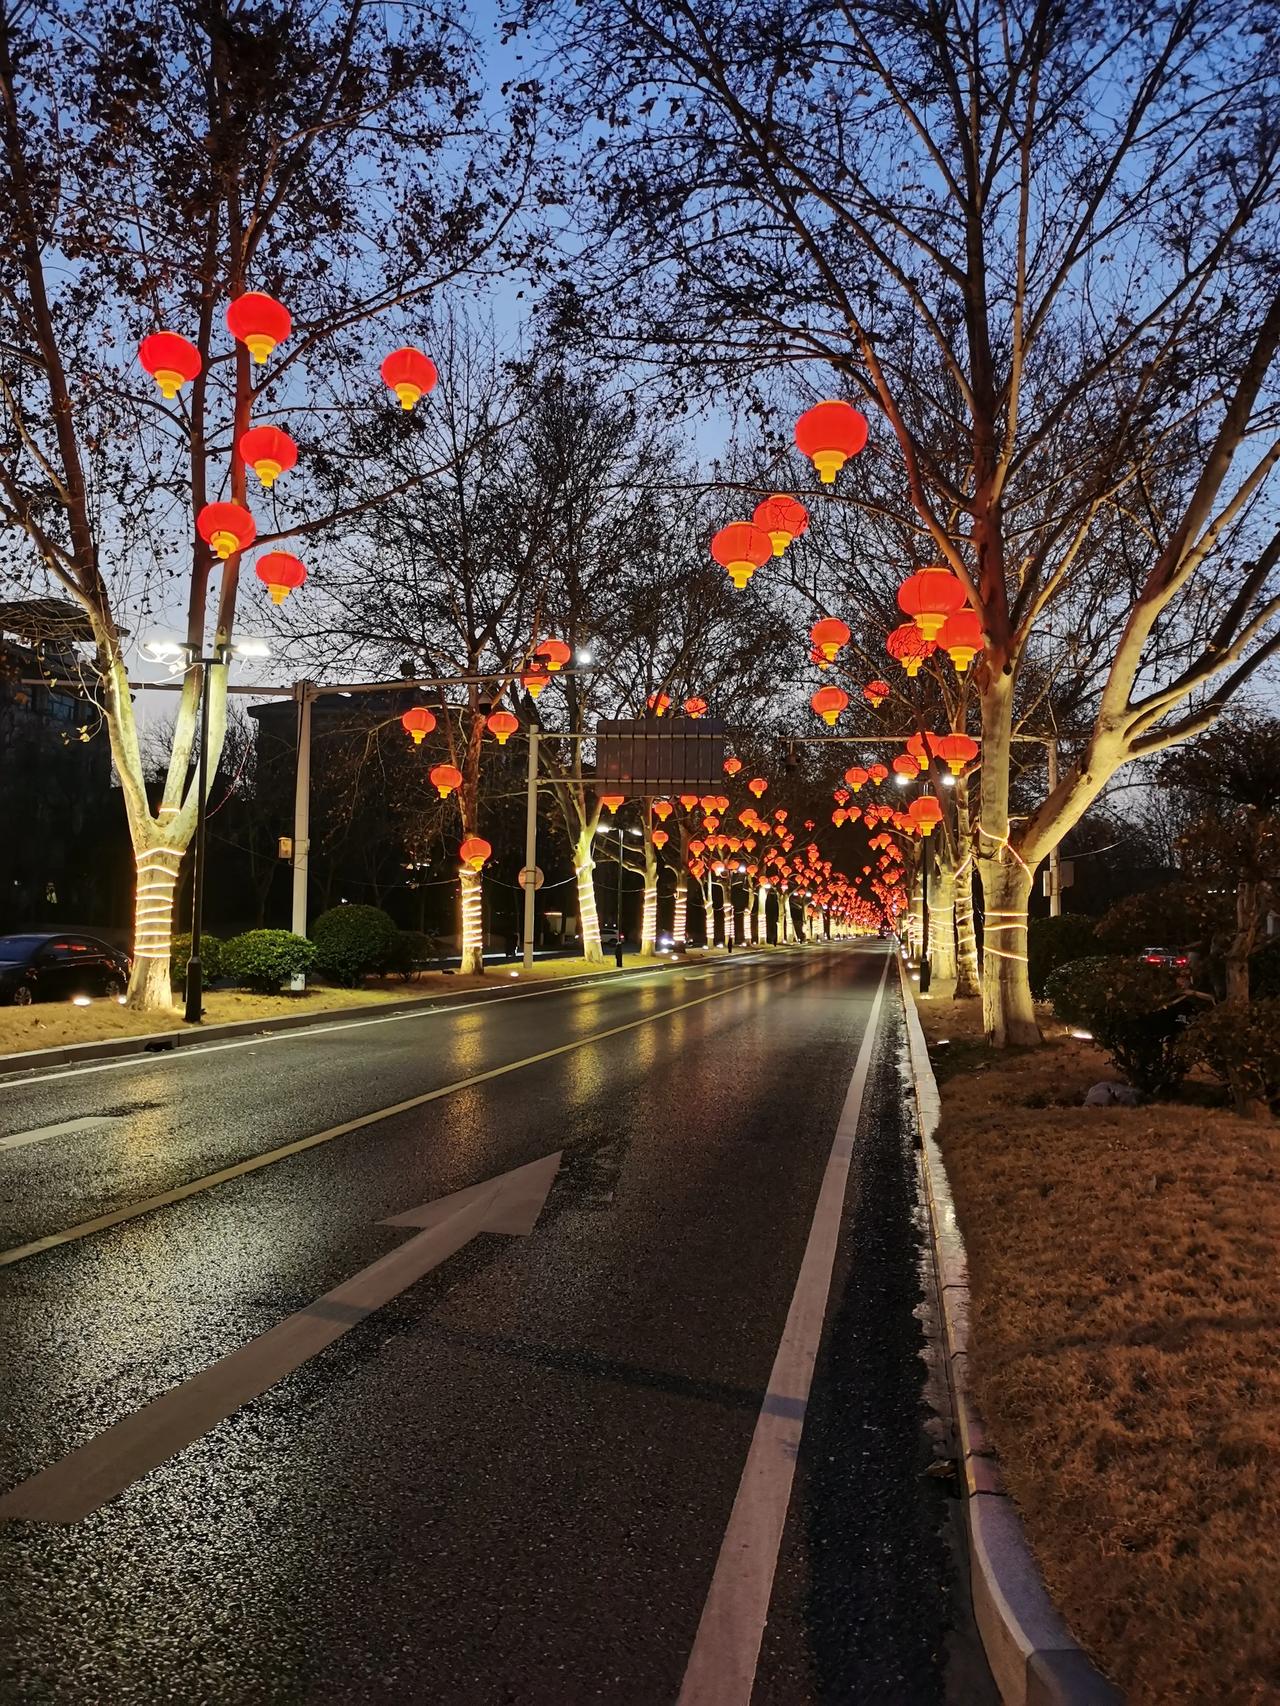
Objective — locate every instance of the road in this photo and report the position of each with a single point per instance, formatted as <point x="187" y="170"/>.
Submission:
<point x="552" y="1442"/>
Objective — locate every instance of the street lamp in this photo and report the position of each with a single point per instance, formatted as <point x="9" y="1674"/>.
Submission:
<point x="168" y="650"/>
<point x="622" y="833"/>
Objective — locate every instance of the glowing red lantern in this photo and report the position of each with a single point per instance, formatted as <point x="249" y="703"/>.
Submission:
<point x="660" y="838"/>
<point x="828" y="702"/>
<point x="259" y="322"/>
<point x="418" y="722"/>
<point x="446" y="777"/>
<point x="827" y="637"/>
<point x="915" y="746"/>
<point x="841" y="796"/>
<point x="926" y="813"/>
<point x="875" y="693"/>
<point x="554" y="653"/>
<point x="783" y="519"/>
<point x="502" y="725"/>
<point x="269" y="452"/>
<point x="829" y="434"/>
<point x="534" y="679"/>
<point x="960" y="636"/>
<point x="662" y="810"/>
<point x="758" y="786"/>
<point x="611" y="802"/>
<point x="280" y="573"/>
<point x="695" y="707"/>
<point x="658" y="703"/>
<point x="227" y="527"/>
<point x="956" y="751"/>
<point x="905" y="765"/>
<point x="732" y="766"/>
<point x="876" y="773"/>
<point x="780" y="815"/>
<point x="909" y="646"/>
<point x="855" y="776"/>
<point x="741" y="548"/>
<point x="408" y="373"/>
<point x="474" y="851"/>
<point x="930" y="597"/>
<point x="170" y="360"/>
<point x="688" y="801"/>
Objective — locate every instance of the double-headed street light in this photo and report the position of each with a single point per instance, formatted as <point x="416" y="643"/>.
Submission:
<point x="170" y="651"/>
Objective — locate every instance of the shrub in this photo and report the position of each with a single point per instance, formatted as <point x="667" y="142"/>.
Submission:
<point x="410" y="951"/>
<point x="1173" y="916"/>
<point x="1054" y="942"/>
<point x="353" y="940"/>
<point x="1241" y="1047"/>
<point x="1138" y="1013"/>
<point x="211" y="958"/>
<point x="262" y="960"/>
<point x="1264" y="971"/>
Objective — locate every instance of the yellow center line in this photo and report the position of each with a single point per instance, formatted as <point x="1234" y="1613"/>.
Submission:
<point x="133" y="1211"/>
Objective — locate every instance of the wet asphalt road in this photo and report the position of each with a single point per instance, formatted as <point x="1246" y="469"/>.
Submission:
<point x="511" y="1483"/>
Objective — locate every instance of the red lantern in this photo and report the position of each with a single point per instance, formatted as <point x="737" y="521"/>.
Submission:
<point x="855" y="776"/>
<point x="170" y="360"/>
<point x="533" y="680"/>
<point x="828" y="702"/>
<point x="783" y="519"/>
<point x="280" y="573"/>
<point x="828" y="636"/>
<point x="841" y="796"/>
<point x="662" y="810"/>
<point x="474" y="851"/>
<point x="829" y="434"/>
<point x="909" y="646"/>
<point x="905" y="765"/>
<point x="732" y="766"/>
<point x="446" y="778"/>
<point x="710" y="822"/>
<point x="269" y="452"/>
<point x="758" y="786"/>
<point x="695" y="707"/>
<point x="876" y="773"/>
<point x="780" y="815"/>
<point x="418" y="722"/>
<point x="915" y="746"/>
<point x="408" y="373"/>
<point x="956" y="751"/>
<point x="708" y="802"/>
<point x="875" y="693"/>
<point x="697" y="847"/>
<point x="611" y="802"/>
<point x="658" y="703"/>
<point x="926" y="813"/>
<point x="688" y="801"/>
<point x="960" y="636"/>
<point x="259" y="322"/>
<point x="227" y="527"/>
<point x="741" y="548"/>
<point x="660" y="838"/>
<point x="502" y="725"/>
<point x="930" y="597"/>
<point x="554" y="653"/>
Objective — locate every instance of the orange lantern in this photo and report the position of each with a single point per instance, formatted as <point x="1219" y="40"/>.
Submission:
<point x="841" y="796"/>
<point x="827" y="637"/>
<point x="829" y="434"/>
<point x="855" y="776"/>
<point x="660" y="838"/>
<point x="915" y="746"/>
<point x="697" y="847"/>
<point x="741" y="548"/>
<point x="875" y="693"/>
<point x="828" y="702"/>
<point x="722" y="802"/>
<point x="905" y="765"/>
<point x="554" y="653"/>
<point x="418" y="722"/>
<point x="408" y="373"/>
<point x="533" y="680"/>
<point x="956" y="751"/>
<point x="960" y="636"/>
<point x="474" y="851"/>
<point x="662" y="810"/>
<point x="930" y="597"/>
<point x="259" y="322"/>
<point x="688" y="801"/>
<point x="269" y="452"/>
<point x="280" y="573"/>
<point x="838" y="816"/>
<point x="446" y="777"/>
<point x="780" y="815"/>
<point x="732" y="766"/>
<point x="695" y="707"/>
<point x="170" y="360"/>
<point x="926" y="813"/>
<point x="502" y="725"/>
<point x="710" y="822"/>
<point x="782" y="518"/>
<point x="658" y="703"/>
<point x="909" y="646"/>
<point x="611" y="802"/>
<point x="227" y="527"/>
<point x="876" y="773"/>
<point x="758" y="786"/>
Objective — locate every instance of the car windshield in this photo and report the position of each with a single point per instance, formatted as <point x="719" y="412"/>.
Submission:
<point x="18" y="947"/>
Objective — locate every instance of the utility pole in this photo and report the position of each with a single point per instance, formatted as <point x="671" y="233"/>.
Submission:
<point x="530" y="845"/>
<point x="304" y="692"/>
<point x="195" y="980"/>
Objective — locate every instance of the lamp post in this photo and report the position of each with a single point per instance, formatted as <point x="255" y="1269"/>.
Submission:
<point x="617" y="913"/>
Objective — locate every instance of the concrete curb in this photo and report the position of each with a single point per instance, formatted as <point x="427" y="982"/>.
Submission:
<point x="164" y="1042"/>
<point x="1033" y="1657"/>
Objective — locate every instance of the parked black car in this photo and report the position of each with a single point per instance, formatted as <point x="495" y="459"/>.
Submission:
<point x="58" y="967"/>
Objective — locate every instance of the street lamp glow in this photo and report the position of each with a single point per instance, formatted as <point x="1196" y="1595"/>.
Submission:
<point x="948" y="781"/>
<point x="584" y="657"/>
<point x="902" y="780"/>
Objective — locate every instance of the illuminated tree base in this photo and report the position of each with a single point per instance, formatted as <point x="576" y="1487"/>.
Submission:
<point x="472" y="923"/>
<point x="150" y="990"/>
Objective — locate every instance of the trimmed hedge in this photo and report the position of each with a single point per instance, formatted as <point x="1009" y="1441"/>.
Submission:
<point x="211" y="958"/>
<point x="410" y="952"/>
<point x="353" y="940"/>
<point x="1138" y="1012"/>
<point x="1241" y="1046"/>
<point x="262" y="960"/>
<point x="1054" y="942"/>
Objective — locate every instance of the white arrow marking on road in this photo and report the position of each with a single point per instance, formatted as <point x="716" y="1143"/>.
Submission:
<point x="91" y="1476"/>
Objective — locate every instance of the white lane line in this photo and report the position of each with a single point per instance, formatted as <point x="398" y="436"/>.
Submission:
<point x="21" y="1139"/>
<point x="334" y="1022"/>
<point x="132" y="1211"/>
<point x="726" y="1650"/>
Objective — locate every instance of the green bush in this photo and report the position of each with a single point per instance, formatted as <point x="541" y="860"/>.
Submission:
<point x="1137" y="1012"/>
<point x="262" y="960"/>
<point x="353" y="940"/>
<point x="410" y="952"/>
<point x="1054" y="942"/>
<point x="1264" y="971"/>
<point x="211" y="958"/>
<point x="1241" y="1046"/>
<point x="1172" y="916"/>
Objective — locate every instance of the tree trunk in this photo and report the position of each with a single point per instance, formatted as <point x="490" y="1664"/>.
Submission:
<point x="942" y="930"/>
<point x="156" y="881"/>
<point x="680" y="923"/>
<point x="968" y="977"/>
<point x="784" y="917"/>
<point x="1008" y="1015"/>
<point x="649" y="915"/>
<point x="761" y="932"/>
<point x="472" y="923"/>
<point x="1237" y="955"/>
<point x="584" y="870"/>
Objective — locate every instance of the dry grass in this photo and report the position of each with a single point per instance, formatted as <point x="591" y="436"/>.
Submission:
<point x="1126" y="1315"/>
<point x="55" y="1024"/>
